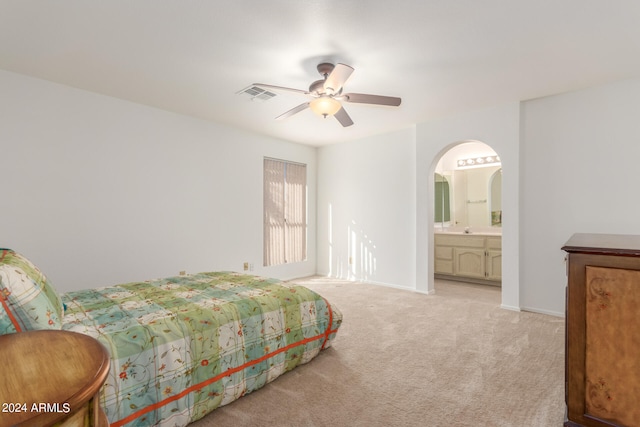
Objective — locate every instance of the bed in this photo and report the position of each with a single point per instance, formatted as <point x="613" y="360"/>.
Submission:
<point x="180" y="346"/>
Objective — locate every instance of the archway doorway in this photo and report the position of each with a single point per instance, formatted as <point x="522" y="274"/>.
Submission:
<point x="467" y="226"/>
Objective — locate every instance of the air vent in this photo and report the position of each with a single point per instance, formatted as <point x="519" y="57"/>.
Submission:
<point x="256" y="93"/>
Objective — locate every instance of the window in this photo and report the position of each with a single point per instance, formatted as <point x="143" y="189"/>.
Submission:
<point x="285" y="212"/>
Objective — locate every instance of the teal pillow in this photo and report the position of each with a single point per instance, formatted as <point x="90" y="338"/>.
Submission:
<point x="27" y="299"/>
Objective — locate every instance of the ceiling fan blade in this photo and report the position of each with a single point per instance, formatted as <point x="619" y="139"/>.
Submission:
<point x="293" y="111"/>
<point x="343" y="117"/>
<point x="362" y="98"/>
<point x="288" y="89"/>
<point x="339" y="75"/>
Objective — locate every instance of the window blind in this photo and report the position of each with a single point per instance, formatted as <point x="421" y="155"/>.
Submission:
<point x="285" y="212"/>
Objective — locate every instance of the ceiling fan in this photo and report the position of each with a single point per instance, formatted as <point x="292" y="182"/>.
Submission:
<point x="327" y="94"/>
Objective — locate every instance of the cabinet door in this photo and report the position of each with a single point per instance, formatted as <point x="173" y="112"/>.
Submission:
<point x="469" y="262"/>
<point x="494" y="264"/>
<point x="603" y="340"/>
<point x="444" y="260"/>
<point x="612" y="345"/>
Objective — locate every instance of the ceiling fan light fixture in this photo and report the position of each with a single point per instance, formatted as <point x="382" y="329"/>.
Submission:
<point x="325" y="106"/>
<point x="327" y="97"/>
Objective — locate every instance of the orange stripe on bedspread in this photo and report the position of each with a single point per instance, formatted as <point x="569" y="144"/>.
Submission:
<point x="14" y="321"/>
<point x="3" y="300"/>
<point x="328" y="331"/>
<point x="230" y="372"/>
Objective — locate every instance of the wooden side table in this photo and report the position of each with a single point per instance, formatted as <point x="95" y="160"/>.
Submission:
<point x="51" y="376"/>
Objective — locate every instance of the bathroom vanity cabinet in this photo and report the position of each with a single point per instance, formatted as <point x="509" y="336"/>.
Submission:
<point x="602" y="362"/>
<point x="469" y="257"/>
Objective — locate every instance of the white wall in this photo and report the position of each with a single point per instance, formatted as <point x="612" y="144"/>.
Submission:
<point x="98" y="191"/>
<point x="497" y="127"/>
<point x="569" y="165"/>
<point x="580" y="155"/>
<point x="366" y="209"/>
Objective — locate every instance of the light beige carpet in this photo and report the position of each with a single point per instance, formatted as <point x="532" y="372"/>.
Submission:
<point x="406" y="359"/>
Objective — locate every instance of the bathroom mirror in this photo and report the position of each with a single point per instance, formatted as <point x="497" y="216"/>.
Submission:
<point x="468" y="187"/>
<point x="442" y="199"/>
<point x="469" y="198"/>
<point x="495" y="198"/>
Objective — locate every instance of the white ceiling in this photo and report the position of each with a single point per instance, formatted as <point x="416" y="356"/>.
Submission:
<point x="441" y="57"/>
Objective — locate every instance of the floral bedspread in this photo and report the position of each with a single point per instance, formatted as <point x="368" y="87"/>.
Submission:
<point x="182" y="346"/>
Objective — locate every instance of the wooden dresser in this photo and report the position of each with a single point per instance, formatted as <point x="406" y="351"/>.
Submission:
<point x="51" y="377"/>
<point x="603" y="330"/>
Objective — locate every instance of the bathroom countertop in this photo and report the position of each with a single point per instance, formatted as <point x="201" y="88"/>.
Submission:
<point x="470" y="233"/>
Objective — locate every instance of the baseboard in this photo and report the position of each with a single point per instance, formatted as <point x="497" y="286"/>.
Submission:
<point x="404" y="288"/>
<point x="510" y="307"/>
<point x="547" y="312"/>
<point x="471" y="280"/>
<point x="387" y="285"/>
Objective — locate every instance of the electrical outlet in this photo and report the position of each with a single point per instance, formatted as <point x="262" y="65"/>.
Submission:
<point x="350" y="260"/>
<point x="246" y="266"/>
